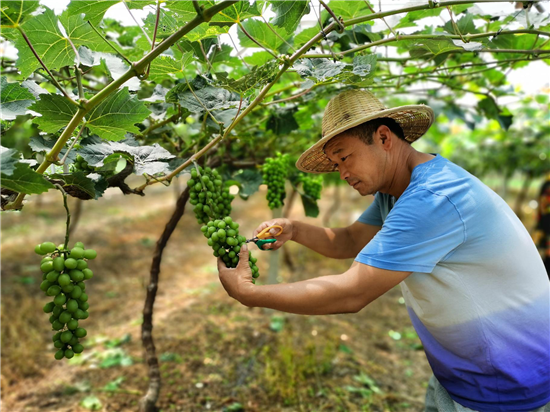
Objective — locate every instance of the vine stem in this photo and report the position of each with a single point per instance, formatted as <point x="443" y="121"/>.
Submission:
<point x="68" y="224"/>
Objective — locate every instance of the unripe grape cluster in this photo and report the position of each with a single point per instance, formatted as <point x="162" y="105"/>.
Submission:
<point x="64" y="273"/>
<point x="81" y="165"/>
<point x="274" y="173"/>
<point x="223" y="236"/>
<point x="312" y="185"/>
<point x="207" y="193"/>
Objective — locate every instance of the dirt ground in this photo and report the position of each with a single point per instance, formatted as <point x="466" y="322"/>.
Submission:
<point x="214" y="353"/>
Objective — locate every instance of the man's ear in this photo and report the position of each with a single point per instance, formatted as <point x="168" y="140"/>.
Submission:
<point x="383" y="133"/>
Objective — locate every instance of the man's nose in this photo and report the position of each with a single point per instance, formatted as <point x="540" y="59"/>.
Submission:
<point x="343" y="173"/>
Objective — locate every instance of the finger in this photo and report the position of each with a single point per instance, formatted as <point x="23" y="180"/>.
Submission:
<point x="243" y="257"/>
<point x="221" y="265"/>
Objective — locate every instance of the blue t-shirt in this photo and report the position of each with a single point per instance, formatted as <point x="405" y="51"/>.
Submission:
<point x="478" y="297"/>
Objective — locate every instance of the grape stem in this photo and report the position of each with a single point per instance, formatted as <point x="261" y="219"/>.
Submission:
<point x="68" y="224"/>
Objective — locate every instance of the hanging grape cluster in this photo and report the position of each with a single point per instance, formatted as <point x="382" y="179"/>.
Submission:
<point x="207" y="194"/>
<point x="274" y="173"/>
<point x="212" y="203"/>
<point x="312" y="185"/>
<point x="80" y="165"/>
<point x="223" y="236"/>
<point x="64" y="273"/>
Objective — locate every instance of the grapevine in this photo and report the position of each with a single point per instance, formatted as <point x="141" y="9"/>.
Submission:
<point x="274" y="173"/>
<point x="64" y="273"/>
<point x="212" y="203"/>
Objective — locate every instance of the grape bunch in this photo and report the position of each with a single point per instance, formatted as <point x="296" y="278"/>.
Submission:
<point x="274" y="173"/>
<point x="64" y="273"/>
<point x="81" y="165"/>
<point x="223" y="236"/>
<point x="312" y="185"/>
<point x="207" y="194"/>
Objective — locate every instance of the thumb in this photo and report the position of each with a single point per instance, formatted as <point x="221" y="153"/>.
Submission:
<point x="243" y="257"/>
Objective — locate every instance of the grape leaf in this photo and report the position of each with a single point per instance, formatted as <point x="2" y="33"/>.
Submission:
<point x="8" y="160"/>
<point x="16" y="12"/>
<point x="347" y="9"/>
<point x="262" y="34"/>
<point x="40" y="144"/>
<point x="311" y="208"/>
<point x="465" y="25"/>
<point x="14" y="99"/>
<point x="235" y="13"/>
<point x="164" y="65"/>
<point x="432" y="48"/>
<point x="289" y="13"/>
<point x="204" y="31"/>
<point x="318" y="69"/>
<point x="77" y="183"/>
<point x="56" y="112"/>
<point x="93" y="10"/>
<point x="490" y="109"/>
<point x="249" y="182"/>
<point x="364" y="65"/>
<point x="82" y="34"/>
<point x="116" y="116"/>
<point x="258" y="58"/>
<point x="34" y="88"/>
<point x="48" y="42"/>
<point x="25" y="180"/>
<point x="256" y="78"/>
<point x="147" y="159"/>
<point x="282" y="120"/>
<point x="305" y="35"/>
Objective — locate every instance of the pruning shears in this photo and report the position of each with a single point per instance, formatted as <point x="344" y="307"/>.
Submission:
<point x="260" y="239"/>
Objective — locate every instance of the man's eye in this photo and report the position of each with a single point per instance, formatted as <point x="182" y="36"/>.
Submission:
<point x="344" y="158"/>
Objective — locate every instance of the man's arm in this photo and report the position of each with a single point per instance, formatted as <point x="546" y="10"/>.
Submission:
<point x="337" y="243"/>
<point x="325" y="295"/>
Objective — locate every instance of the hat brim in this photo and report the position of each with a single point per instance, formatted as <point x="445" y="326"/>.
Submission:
<point x="415" y="120"/>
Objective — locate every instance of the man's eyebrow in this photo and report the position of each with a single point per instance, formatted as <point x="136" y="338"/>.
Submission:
<point x="337" y="151"/>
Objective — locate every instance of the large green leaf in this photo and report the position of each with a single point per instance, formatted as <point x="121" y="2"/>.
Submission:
<point x="305" y="35"/>
<point x="56" y="112"/>
<point x="258" y="58"/>
<point x="264" y="35"/>
<point x="289" y="13"/>
<point x="347" y="9"/>
<point x="77" y="184"/>
<point x="117" y="115"/>
<point x="82" y="34"/>
<point x="432" y="48"/>
<point x="318" y="69"/>
<point x="490" y="109"/>
<point x="164" y="65"/>
<point x="410" y="19"/>
<point x="258" y="77"/>
<point x="235" y="13"/>
<point x="8" y="160"/>
<point x="205" y="31"/>
<point x="14" y="99"/>
<point x="249" y="182"/>
<point x="40" y="144"/>
<point x="93" y="10"/>
<point x="25" y="180"/>
<point x="146" y="159"/>
<point x="465" y="25"/>
<point x="52" y="47"/>
<point x="282" y="121"/>
<point x="311" y="208"/>
<point x="16" y="12"/>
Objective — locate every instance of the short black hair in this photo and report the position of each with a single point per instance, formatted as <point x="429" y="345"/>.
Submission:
<point x="365" y="131"/>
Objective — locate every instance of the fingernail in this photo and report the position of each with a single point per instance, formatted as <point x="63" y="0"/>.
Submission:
<point x="272" y="231"/>
<point x="244" y="248"/>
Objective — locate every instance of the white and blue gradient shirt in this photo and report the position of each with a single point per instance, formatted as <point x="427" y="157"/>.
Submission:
<point x="478" y="297"/>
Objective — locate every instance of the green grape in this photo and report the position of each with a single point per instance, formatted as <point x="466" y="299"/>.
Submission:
<point x="59" y="264"/>
<point x="312" y="185"/>
<point x="71" y="263"/>
<point x="47" y="247"/>
<point x="59" y="354"/>
<point x="78" y="348"/>
<point x="48" y="307"/>
<point x="75" y="294"/>
<point x="81" y="264"/>
<point x="76" y="253"/>
<point x="64" y="280"/>
<point x="57" y="325"/>
<point x="72" y="324"/>
<point x="90" y="254"/>
<point x="39" y="250"/>
<point x="60" y="300"/>
<point x="79" y="244"/>
<point x="53" y="290"/>
<point x="46" y="266"/>
<point x="69" y="353"/>
<point x="72" y="305"/>
<point x="57" y="311"/>
<point x="76" y="275"/>
<point x="87" y="274"/>
<point x="65" y="317"/>
<point x="58" y="344"/>
<point x="83" y="305"/>
<point x="52" y="276"/>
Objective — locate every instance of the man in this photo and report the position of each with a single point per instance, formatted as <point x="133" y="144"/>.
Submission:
<point x="472" y="279"/>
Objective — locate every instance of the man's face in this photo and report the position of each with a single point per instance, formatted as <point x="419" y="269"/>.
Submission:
<point x="358" y="164"/>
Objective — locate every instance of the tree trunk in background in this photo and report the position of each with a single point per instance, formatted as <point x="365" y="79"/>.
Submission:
<point x="522" y="195"/>
<point x="287" y="258"/>
<point x="77" y="212"/>
<point x="148" y="402"/>
<point x="274" y="256"/>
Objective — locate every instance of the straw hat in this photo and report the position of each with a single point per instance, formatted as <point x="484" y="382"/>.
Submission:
<point x="350" y="109"/>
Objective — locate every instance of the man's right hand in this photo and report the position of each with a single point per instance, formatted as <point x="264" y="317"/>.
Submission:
<point x="288" y="232"/>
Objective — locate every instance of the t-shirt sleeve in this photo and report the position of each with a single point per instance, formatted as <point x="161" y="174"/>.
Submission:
<point x="373" y="214"/>
<point x="422" y="229"/>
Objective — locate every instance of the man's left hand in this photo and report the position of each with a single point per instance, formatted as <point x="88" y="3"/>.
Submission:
<point x="237" y="282"/>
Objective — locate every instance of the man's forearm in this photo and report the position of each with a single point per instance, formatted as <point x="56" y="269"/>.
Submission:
<point x="330" y="242"/>
<point x="324" y="295"/>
